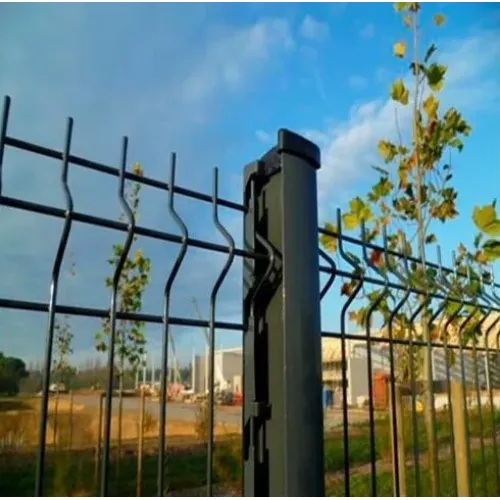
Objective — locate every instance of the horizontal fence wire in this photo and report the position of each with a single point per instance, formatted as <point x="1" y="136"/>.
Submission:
<point x="113" y="313"/>
<point x="475" y="367"/>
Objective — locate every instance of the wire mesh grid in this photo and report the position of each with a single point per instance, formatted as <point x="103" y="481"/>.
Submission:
<point x="455" y="341"/>
<point x="130" y="229"/>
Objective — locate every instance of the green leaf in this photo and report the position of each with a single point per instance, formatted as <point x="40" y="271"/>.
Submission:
<point x="431" y="238"/>
<point x="387" y="150"/>
<point x="380" y="170"/>
<point x="420" y="67"/>
<point x="491" y="249"/>
<point x="439" y="19"/>
<point x="431" y="105"/>
<point x="477" y="240"/>
<point x="382" y="188"/>
<point x="435" y="76"/>
<point x="408" y="21"/>
<point x="429" y="52"/>
<point x="485" y="218"/>
<point x="400" y="49"/>
<point x="456" y="143"/>
<point x="399" y="92"/>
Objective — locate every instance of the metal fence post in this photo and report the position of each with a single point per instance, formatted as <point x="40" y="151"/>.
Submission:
<point x="282" y="414"/>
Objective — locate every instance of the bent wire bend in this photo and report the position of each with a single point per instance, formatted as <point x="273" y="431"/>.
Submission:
<point x="359" y="272"/>
<point x="166" y="324"/>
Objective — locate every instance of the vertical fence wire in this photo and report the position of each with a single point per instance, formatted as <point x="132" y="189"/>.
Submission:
<point x="3" y="134"/>
<point x="395" y="311"/>
<point x="42" y="428"/>
<point x="113" y="312"/>
<point x="359" y="273"/>
<point x="213" y="302"/>
<point x="373" y="307"/>
<point x="490" y="384"/>
<point x="461" y="330"/>
<point x="476" y="332"/>
<point x="166" y="324"/>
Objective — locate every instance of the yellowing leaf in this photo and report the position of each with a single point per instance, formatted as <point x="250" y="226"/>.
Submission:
<point x="431" y="105"/>
<point x="400" y="49"/>
<point x="491" y="249"/>
<point x="350" y="221"/>
<point x="399" y="92"/>
<point x="361" y="209"/>
<point x="435" y="76"/>
<point x="329" y="242"/>
<point x="408" y="21"/>
<point x="439" y="19"/>
<point x="400" y="6"/>
<point x="485" y="218"/>
<point x="387" y="150"/>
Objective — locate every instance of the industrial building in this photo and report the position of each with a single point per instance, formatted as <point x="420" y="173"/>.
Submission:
<point x="229" y="367"/>
<point x="228" y="371"/>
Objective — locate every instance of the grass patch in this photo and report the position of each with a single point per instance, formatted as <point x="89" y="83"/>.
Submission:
<point x="361" y="483"/>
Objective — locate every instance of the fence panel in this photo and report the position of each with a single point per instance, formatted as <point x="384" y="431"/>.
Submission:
<point x="103" y="479"/>
<point x="410" y="372"/>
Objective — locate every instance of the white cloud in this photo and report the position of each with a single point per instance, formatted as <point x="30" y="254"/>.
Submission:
<point x="357" y="81"/>
<point x="349" y="148"/>
<point x="367" y="31"/>
<point x="133" y="95"/>
<point x="311" y="29"/>
<point x="229" y="61"/>
<point x="263" y="136"/>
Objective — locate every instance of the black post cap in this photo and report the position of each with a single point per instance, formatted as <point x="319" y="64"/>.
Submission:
<point x="295" y="144"/>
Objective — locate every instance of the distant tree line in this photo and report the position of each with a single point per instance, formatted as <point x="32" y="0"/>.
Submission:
<point x="12" y="372"/>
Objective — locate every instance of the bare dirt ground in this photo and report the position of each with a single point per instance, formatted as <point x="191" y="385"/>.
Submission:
<point x="20" y="420"/>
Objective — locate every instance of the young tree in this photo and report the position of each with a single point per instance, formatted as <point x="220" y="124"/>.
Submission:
<point x="63" y="348"/>
<point x="130" y="336"/>
<point x="413" y="193"/>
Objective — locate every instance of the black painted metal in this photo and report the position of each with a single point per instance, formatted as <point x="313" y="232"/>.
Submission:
<point x="285" y="432"/>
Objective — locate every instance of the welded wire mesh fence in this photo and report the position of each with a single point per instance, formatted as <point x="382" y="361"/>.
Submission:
<point x="423" y="359"/>
<point x="410" y="373"/>
<point x="129" y="228"/>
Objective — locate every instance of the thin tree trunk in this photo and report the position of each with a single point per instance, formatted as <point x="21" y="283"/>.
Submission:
<point x="140" y="445"/>
<point x="120" y="414"/>
<point x="400" y="438"/>
<point x="70" y="445"/>
<point x="56" y="407"/>
<point x="99" y="434"/>
<point x="421" y="226"/>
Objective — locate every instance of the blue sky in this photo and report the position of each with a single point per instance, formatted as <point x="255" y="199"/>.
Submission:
<point x="213" y="82"/>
